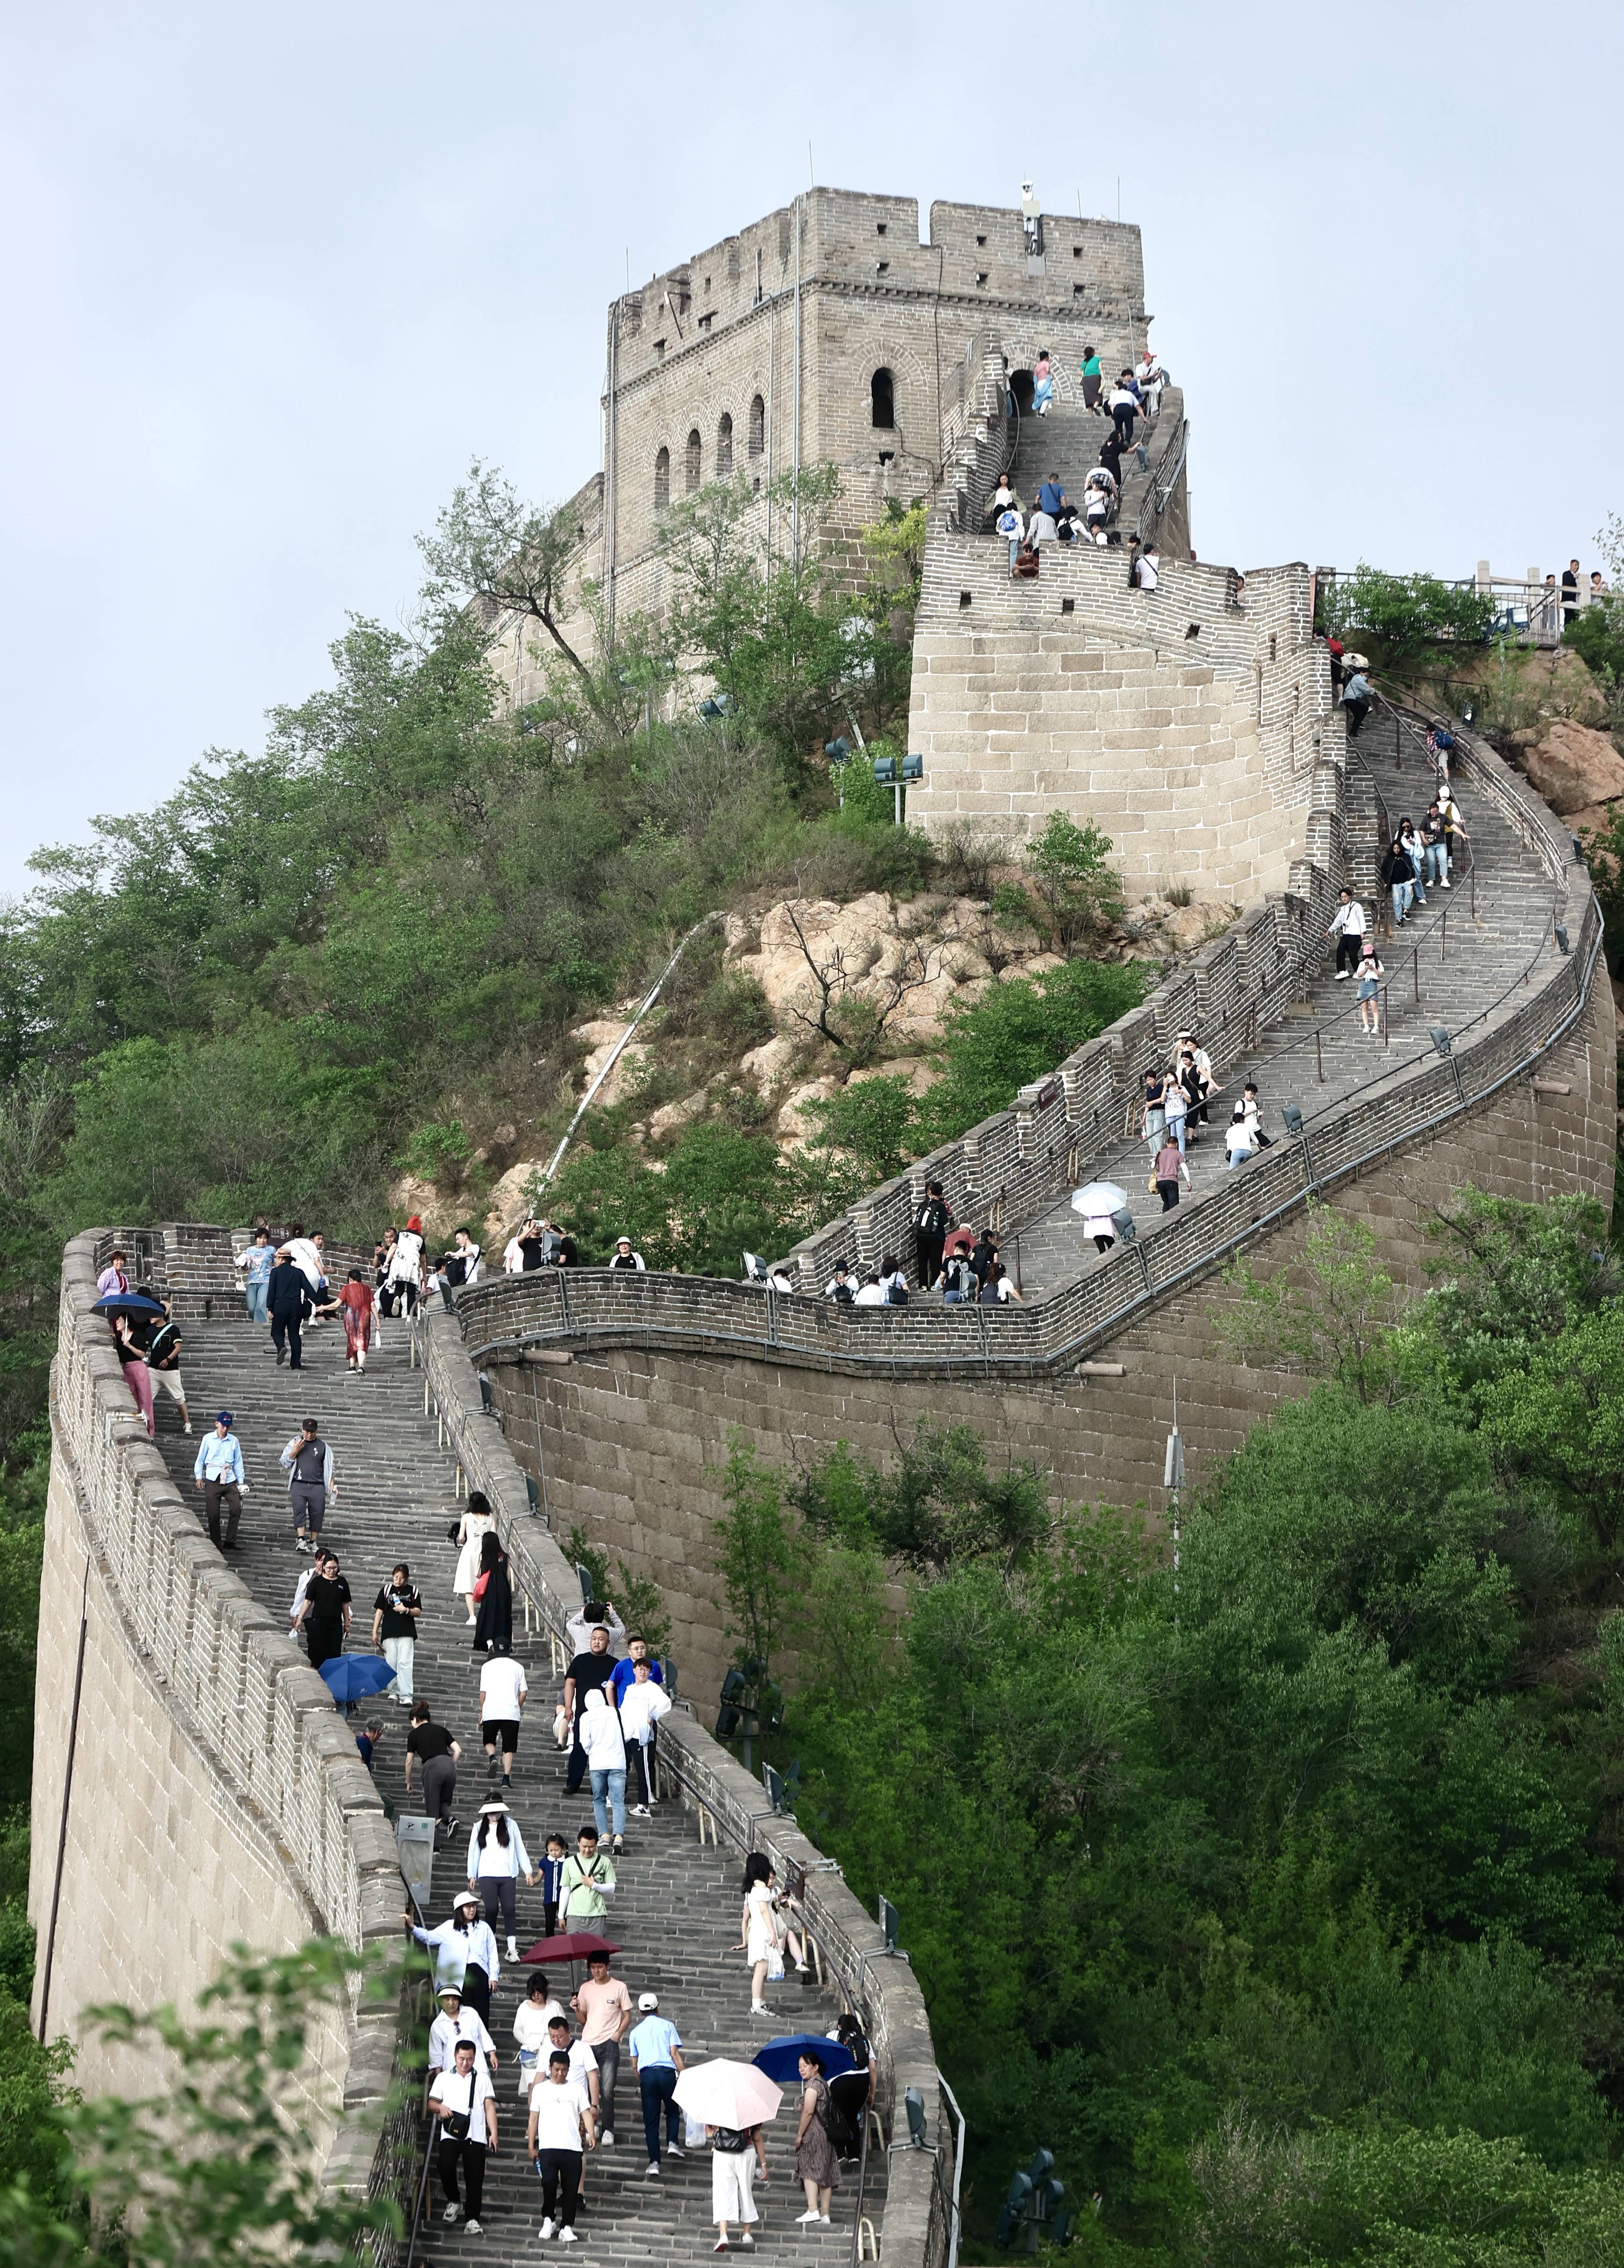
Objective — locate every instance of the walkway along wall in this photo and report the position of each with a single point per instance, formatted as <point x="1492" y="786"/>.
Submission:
<point x="619" y="1391"/>
<point x="217" y="1796"/>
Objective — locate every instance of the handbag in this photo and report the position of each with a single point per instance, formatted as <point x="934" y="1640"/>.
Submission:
<point x="482" y="1585"/>
<point x="453" y="1533"/>
<point x="775" y="1964"/>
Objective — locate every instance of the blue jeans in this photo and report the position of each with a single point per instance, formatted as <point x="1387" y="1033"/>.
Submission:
<point x="657" y="2085"/>
<point x="256" y="1300"/>
<point x="610" y="1784"/>
<point x="1015" y="551"/>
<point x="1175" y="1127"/>
<point x="1403" y="893"/>
<point x="1436" y="864"/>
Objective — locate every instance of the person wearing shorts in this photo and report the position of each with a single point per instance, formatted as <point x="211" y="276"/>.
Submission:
<point x="501" y="1700"/>
<point x="164" y="1362"/>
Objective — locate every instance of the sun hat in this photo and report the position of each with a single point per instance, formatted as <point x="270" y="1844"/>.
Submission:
<point x="467" y="1898"/>
<point x="494" y="1804"/>
<point x="450" y="1991"/>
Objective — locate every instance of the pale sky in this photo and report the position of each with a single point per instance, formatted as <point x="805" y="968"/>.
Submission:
<point x="271" y="277"/>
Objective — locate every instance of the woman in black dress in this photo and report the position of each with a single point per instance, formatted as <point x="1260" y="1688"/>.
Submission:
<point x="495" y="1625"/>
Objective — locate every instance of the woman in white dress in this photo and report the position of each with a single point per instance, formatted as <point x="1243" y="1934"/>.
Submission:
<point x="478" y="1520"/>
<point x="759" y="1927"/>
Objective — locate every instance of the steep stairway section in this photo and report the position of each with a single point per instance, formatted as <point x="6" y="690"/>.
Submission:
<point x="676" y="1915"/>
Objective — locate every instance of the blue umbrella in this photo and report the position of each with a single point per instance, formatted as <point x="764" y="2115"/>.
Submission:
<point x="126" y="1303"/>
<point x="352" y="1676"/>
<point x="781" y="2058"/>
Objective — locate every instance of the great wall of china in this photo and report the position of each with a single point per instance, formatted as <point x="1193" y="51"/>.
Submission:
<point x="214" y="1794"/>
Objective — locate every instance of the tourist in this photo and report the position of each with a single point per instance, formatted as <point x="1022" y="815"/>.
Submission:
<point x="1093" y="377"/>
<point x="496" y="1859"/>
<point x="403" y="1280"/>
<point x="759" y="1938"/>
<point x="218" y="1472"/>
<point x="477" y="1522"/>
<point x="1148" y="569"/>
<point x="285" y="1290"/>
<point x="531" y="2034"/>
<point x="432" y="1746"/>
<point x="493" y="1597"/>
<point x="839" y="1287"/>
<point x="356" y="1300"/>
<point x="324" y="1612"/>
<point x="1151" y="378"/>
<point x="931" y="1222"/>
<point x="603" y="1745"/>
<point x="1003" y="498"/>
<point x="503" y="1691"/>
<point x="1052" y="497"/>
<point x="112" y="1282"/>
<point x="163" y="1359"/>
<point x="893" y="1280"/>
<point x="368" y="1739"/>
<point x="1399" y="876"/>
<point x="603" y="2006"/>
<point x="1153" y="1115"/>
<point x="455" y="2023"/>
<point x="396" y="1611"/>
<point x="1042" y="386"/>
<point x="465" y="2103"/>
<point x="1357" y="695"/>
<point x="1170" y="1167"/>
<point x="1099" y="494"/>
<point x="1175" y="1106"/>
<point x="462" y="1266"/>
<point x="465" y="1952"/>
<point x="1416" y="853"/>
<point x="982" y="1258"/>
<point x="306" y="1254"/>
<point x="870" y="1292"/>
<point x="1124" y="407"/>
<point x="1348" y="928"/>
<point x="589" y="1883"/>
<point x="1041" y="529"/>
<point x="1238" y="1137"/>
<point x="997" y="1290"/>
<point x="816" y="2166"/>
<point x="308" y="1461"/>
<point x="734" y="2157"/>
<point x="582" y="2062"/>
<point x="1454" y="831"/>
<point x="1598" y="591"/>
<point x="641" y="1706"/>
<point x="592" y="1667"/>
<point x="1571" y="594"/>
<point x="1441" y="748"/>
<point x="1254" y="1119"/>
<point x="559" y="2134"/>
<point x="552" y="1883"/>
<point x="1011" y="525"/>
<point x="624" y="1257"/>
<point x="656" y="2050"/>
<point x="1435" y="849"/>
<point x="1102" y="1227"/>
<point x="1370" y="975"/>
<point x="957" y="1282"/>
<point x="131" y="1345"/>
<point x="256" y="1264"/>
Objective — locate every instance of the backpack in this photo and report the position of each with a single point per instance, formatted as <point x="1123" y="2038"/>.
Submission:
<point x="844" y="1295"/>
<point x="1009" y="523"/>
<point x="961" y="1277"/>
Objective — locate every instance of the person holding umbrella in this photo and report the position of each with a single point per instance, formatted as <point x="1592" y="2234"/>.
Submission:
<point x="816" y="2167"/>
<point x="1096" y="1201"/>
<point x="733" y="2100"/>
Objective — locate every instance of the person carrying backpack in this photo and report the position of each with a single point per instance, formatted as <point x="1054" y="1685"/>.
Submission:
<point x="957" y="1282"/>
<point x="1012" y="527"/>
<point x="931" y="1224"/>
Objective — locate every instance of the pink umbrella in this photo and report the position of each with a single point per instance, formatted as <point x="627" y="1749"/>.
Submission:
<point x="724" y="2094"/>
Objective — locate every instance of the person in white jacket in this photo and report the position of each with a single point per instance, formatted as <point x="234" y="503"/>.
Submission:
<point x="605" y="1745"/>
<point x="642" y="1704"/>
<point x="496" y="1859"/>
<point x="454" y="2024"/>
<point x="465" y="1953"/>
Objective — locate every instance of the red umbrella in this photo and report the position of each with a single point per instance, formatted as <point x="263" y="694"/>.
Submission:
<point x="580" y="1945"/>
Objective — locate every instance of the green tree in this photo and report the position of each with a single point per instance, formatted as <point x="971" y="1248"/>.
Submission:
<point x="760" y="1559"/>
<point x="1017" y="1033"/>
<point x="1403" y="617"/>
<point x="1078" y="893"/>
<point x="1336" y="1314"/>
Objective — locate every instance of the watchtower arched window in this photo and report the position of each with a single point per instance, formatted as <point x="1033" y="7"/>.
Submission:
<point x="662" y="480"/>
<point x="882" y="398"/>
<point x="724" y="447"/>
<point x="758" y="427"/>
<point x="696" y="469"/>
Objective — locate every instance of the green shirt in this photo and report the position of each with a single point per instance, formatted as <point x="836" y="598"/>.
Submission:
<point x="584" y="1887"/>
<point x="1091" y="368"/>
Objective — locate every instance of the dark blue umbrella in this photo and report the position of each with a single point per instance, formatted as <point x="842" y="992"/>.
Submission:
<point x="352" y="1676"/>
<point x="126" y="1303"/>
<point x="781" y="2058"/>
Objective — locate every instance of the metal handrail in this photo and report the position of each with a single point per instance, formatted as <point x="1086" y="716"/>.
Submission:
<point x="1163" y="480"/>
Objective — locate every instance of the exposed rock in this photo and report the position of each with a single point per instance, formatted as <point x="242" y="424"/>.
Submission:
<point x="503" y="1136"/>
<point x="601" y="1038"/>
<point x="856" y="933"/>
<point x="1594" y="819"/>
<point x="1574" y="766"/>
<point x="738" y="935"/>
<point x="409" y="1195"/>
<point x="1185" y="927"/>
<point x="505" y="1206"/>
<point x="671" y="1117"/>
<point x="793" y="1125"/>
<point x="771" y="1061"/>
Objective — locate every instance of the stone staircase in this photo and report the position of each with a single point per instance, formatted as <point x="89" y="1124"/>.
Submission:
<point x="676" y="1915"/>
<point x="1458" y="961"/>
<point x="1068" y="441"/>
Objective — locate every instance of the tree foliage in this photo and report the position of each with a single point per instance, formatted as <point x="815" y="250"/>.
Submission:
<point x="1402" y="616"/>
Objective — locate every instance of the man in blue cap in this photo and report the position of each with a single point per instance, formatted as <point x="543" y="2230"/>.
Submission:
<point x="218" y="1472"/>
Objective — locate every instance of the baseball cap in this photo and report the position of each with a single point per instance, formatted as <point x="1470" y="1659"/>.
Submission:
<point x="647" y="2000"/>
<point x="223" y="1417"/>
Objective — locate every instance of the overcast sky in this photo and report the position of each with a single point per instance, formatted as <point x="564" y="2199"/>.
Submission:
<point x="271" y="277"/>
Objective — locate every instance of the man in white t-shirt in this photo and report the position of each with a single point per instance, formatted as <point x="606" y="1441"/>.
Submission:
<point x="501" y="1701"/>
<point x="1348" y="928"/>
<point x="455" y="2023"/>
<point x="559" y="2133"/>
<point x="1148" y="569"/>
<point x="465" y="2103"/>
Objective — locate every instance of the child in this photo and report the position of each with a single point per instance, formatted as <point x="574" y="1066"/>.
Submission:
<point x="552" y="1878"/>
<point x="356" y="1300"/>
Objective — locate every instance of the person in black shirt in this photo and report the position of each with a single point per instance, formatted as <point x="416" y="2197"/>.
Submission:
<point x="983" y="1257"/>
<point x="594" y="1668"/>
<point x="395" y="1612"/>
<point x="567" y="1255"/>
<point x="931" y="1224"/>
<point x="531" y="1244"/>
<point x="324" y="1612"/>
<point x="285" y="1288"/>
<point x="437" y="1753"/>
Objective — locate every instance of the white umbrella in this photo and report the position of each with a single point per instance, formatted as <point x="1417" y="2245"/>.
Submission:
<point x="724" y="2094"/>
<point x="1098" y="1197"/>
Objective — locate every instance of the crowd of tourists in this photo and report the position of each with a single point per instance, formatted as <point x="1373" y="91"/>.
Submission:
<point x="1052" y="516"/>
